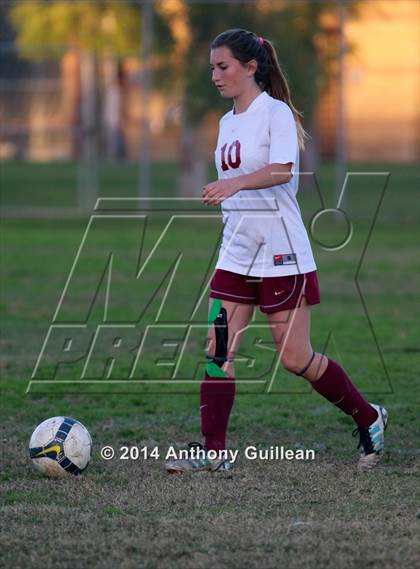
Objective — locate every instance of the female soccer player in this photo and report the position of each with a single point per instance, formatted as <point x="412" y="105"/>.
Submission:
<point x="265" y="258"/>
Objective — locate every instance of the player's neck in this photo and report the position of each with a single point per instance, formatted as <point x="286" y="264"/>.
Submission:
<point x="242" y="101"/>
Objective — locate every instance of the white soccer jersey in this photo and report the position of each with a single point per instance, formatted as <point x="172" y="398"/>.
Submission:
<point x="263" y="235"/>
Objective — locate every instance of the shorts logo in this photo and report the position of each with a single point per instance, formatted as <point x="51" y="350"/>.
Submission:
<point x="285" y="259"/>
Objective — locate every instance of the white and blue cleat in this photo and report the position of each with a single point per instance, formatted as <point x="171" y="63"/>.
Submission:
<point x="372" y="440"/>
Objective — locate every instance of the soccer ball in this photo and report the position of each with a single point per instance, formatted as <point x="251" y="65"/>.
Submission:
<point x="60" y="445"/>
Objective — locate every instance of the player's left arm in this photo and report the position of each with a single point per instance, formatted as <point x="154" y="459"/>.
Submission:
<point x="271" y="175"/>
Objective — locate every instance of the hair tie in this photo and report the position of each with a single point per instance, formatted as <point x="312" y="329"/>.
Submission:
<point x="261" y="40"/>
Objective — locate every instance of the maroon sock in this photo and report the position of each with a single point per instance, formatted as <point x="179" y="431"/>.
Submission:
<point x="336" y="386"/>
<point x="216" y="400"/>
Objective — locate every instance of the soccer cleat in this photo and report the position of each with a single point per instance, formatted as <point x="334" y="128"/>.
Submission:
<point x="199" y="464"/>
<point x="372" y="440"/>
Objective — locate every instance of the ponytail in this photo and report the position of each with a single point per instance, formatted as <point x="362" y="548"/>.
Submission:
<point x="278" y="88"/>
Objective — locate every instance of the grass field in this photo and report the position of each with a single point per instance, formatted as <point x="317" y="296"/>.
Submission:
<point x="262" y="513"/>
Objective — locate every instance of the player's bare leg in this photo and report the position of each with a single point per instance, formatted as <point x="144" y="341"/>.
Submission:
<point x="227" y="322"/>
<point x="291" y="334"/>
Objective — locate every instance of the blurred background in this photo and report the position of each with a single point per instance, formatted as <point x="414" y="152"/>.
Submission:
<point x="115" y="97"/>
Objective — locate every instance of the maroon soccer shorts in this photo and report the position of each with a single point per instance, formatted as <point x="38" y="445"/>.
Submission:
<point x="272" y="294"/>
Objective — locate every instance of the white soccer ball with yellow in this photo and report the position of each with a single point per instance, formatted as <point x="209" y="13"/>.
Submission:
<point x="60" y="446"/>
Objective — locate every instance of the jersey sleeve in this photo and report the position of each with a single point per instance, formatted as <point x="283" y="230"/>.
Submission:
<point x="283" y="136"/>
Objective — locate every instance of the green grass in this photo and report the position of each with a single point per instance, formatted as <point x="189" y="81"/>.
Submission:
<point x="55" y="185"/>
<point x="130" y="513"/>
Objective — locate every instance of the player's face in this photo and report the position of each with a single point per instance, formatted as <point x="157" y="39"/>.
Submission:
<point x="229" y="75"/>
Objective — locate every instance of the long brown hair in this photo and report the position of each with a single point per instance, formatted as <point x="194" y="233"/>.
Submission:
<point x="269" y="75"/>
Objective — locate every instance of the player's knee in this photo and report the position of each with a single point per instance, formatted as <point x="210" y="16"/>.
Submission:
<point x="292" y="361"/>
<point x="291" y="364"/>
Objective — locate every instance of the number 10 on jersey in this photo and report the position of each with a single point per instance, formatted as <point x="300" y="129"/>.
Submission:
<point x="234" y="148"/>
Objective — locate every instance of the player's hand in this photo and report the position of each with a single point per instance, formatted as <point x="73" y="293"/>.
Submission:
<point x="216" y="192"/>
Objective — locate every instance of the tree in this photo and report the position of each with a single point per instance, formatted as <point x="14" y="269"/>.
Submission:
<point x="79" y="33"/>
<point x="76" y="32"/>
